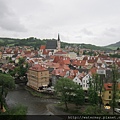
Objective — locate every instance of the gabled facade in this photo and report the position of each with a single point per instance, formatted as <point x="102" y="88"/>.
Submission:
<point x="85" y="82"/>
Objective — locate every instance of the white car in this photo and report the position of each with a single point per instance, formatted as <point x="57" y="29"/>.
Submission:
<point x="117" y="110"/>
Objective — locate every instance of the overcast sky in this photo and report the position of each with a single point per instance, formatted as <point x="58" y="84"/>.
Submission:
<point x="77" y="21"/>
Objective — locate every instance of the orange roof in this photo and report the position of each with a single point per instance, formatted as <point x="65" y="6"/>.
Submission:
<point x="45" y="52"/>
<point x="66" y="60"/>
<point x="108" y="86"/>
<point x="56" y="59"/>
<point x="38" y="67"/>
<point x="82" y="62"/>
<point x="75" y="72"/>
<point x="59" y="72"/>
<point x="62" y="60"/>
<point x="93" y="70"/>
<point x="42" y="47"/>
<point x="60" y="52"/>
<point x="91" y="61"/>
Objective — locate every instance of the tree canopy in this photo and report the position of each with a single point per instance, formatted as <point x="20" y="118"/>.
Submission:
<point x="7" y="81"/>
<point x="69" y="92"/>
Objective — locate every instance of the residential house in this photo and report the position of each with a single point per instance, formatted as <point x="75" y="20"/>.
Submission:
<point x="107" y="93"/>
<point x="72" y="55"/>
<point x="6" y="67"/>
<point x="86" y="81"/>
<point x="61" y="53"/>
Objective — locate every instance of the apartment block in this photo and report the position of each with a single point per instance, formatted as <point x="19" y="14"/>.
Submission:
<point x="38" y="77"/>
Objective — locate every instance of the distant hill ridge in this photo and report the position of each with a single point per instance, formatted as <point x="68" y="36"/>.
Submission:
<point x="35" y="42"/>
<point x="113" y="46"/>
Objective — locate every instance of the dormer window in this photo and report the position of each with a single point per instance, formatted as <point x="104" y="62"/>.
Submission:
<point x="109" y="86"/>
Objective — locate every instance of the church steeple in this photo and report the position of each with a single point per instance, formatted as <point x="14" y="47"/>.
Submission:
<point x="58" y="43"/>
<point x="58" y="37"/>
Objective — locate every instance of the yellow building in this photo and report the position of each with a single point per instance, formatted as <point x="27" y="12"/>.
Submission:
<point x="38" y="77"/>
<point x="107" y="93"/>
<point x="0" y="55"/>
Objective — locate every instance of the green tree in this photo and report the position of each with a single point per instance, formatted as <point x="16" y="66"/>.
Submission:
<point x="6" y="83"/>
<point x="93" y="90"/>
<point x="79" y="98"/>
<point x="116" y="76"/>
<point x="21" y="69"/>
<point x="69" y="92"/>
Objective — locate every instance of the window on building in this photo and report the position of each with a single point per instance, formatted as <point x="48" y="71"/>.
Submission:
<point x="109" y="86"/>
<point x="109" y="92"/>
<point x="109" y="97"/>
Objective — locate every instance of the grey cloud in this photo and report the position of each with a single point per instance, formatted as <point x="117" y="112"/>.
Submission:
<point x="8" y="20"/>
<point x="111" y="32"/>
<point x="78" y="36"/>
<point x="87" y="32"/>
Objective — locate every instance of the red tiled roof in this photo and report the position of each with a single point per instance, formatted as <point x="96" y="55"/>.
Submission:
<point x="93" y="70"/>
<point x="75" y="72"/>
<point x="56" y="59"/>
<point x="45" y="52"/>
<point x="27" y="52"/>
<point x="108" y="86"/>
<point x="82" y="62"/>
<point x="37" y="67"/>
<point x="60" y="52"/>
<point x="42" y="47"/>
<point x="91" y="61"/>
<point x="66" y="60"/>
<point x="62" y="60"/>
<point x="59" y="71"/>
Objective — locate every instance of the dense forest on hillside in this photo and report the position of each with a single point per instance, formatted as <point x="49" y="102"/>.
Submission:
<point x="35" y="42"/>
<point x="114" y="46"/>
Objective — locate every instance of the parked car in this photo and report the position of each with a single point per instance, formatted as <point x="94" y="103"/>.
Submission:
<point x="117" y="110"/>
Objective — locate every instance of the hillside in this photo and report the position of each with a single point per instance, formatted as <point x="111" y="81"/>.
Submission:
<point x="113" y="46"/>
<point x="38" y="42"/>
